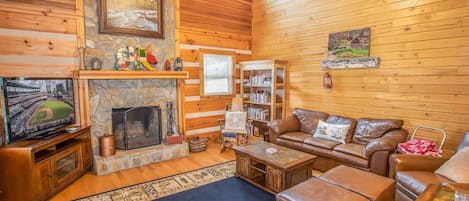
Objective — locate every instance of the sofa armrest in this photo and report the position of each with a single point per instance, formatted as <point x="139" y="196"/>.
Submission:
<point x="279" y="127"/>
<point x="388" y="142"/>
<point x="406" y="162"/>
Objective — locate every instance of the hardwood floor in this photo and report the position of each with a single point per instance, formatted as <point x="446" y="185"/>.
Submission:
<point x="91" y="184"/>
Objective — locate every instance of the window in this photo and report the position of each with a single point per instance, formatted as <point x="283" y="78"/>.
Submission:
<point x="217" y="73"/>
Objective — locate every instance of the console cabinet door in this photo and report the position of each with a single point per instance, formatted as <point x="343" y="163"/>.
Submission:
<point x="86" y="154"/>
<point x="242" y="165"/>
<point x="274" y="179"/>
<point x="44" y="178"/>
<point x="66" y="166"/>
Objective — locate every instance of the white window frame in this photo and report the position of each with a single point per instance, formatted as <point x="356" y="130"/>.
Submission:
<point x="203" y="69"/>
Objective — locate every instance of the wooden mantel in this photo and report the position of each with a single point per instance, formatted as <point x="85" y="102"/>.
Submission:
<point x="115" y="74"/>
<point x="83" y="76"/>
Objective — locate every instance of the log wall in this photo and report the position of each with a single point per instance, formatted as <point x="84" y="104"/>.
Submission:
<point x="215" y="25"/>
<point x="424" y="50"/>
<point x="40" y="38"/>
<point x="39" y="35"/>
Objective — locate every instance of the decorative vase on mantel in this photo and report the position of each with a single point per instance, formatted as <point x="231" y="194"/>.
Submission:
<point x="96" y="63"/>
<point x="178" y="64"/>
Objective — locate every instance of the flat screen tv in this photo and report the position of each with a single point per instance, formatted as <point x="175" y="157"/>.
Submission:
<point x="35" y="108"/>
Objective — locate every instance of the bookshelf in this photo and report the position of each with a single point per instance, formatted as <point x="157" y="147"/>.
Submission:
<point x="263" y="90"/>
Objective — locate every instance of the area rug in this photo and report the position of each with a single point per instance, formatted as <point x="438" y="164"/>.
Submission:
<point x="159" y="188"/>
<point x="231" y="189"/>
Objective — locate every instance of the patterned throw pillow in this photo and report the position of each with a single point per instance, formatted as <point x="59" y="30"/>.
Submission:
<point x="334" y="132"/>
<point x="235" y="120"/>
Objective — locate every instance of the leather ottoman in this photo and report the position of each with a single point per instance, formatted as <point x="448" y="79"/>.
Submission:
<point x="342" y="183"/>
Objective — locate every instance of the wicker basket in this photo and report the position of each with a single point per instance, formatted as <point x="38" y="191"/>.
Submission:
<point x="197" y="144"/>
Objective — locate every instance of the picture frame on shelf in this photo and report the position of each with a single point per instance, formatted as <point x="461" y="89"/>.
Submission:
<point x="147" y="20"/>
<point x="256" y="131"/>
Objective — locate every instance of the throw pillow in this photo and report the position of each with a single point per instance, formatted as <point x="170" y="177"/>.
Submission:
<point x="334" y="132"/>
<point x="235" y="120"/>
<point x="457" y="167"/>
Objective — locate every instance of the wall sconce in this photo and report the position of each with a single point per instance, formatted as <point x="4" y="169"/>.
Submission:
<point x="327" y="80"/>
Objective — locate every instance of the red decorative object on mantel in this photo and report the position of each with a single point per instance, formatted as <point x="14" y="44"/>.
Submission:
<point x="327" y="80"/>
<point x="173" y="139"/>
<point x="167" y="65"/>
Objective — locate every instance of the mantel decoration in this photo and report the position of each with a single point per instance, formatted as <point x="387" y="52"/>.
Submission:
<point x="130" y="58"/>
<point x="137" y="17"/>
<point x="178" y="64"/>
<point x="96" y="63"/>
<point x="350" y="49"/>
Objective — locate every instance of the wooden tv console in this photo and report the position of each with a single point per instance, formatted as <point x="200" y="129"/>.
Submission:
<point x="37" y="169"/>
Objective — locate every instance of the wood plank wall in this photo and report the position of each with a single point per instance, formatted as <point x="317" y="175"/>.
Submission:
<point x="38" y="38"/>
<point x="219" y="25"/>
<point x="423" y="46"/>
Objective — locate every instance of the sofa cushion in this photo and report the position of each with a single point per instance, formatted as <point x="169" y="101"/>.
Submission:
<point x="334" y="132"/>
<point x="369" y="129"/>
<point x="352" y="149"/>
<point x="326" y="144"/>
<point x="289" y="124"/>
<point x="344" y="120"/>
<point x="457" y="167"/>
<point x="417" y="181"/>
<point x="309" y="119"/>
<point x="295" y="136"/>
<point x="312" y="149"/>
<point x="289" y="143"/>
<point x="350" y="159"/>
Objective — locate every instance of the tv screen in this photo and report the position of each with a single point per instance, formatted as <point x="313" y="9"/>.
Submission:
<point x="37" y="106"/>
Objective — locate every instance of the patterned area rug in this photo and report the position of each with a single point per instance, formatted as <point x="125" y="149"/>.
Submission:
<point x="169" y="185"/>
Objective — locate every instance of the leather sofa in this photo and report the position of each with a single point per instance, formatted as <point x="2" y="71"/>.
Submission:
<point x="368" y="144"/>
<point x="414" y="173"/>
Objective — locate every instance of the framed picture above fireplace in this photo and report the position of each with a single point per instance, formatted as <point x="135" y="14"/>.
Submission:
<point x="131" y="17"/>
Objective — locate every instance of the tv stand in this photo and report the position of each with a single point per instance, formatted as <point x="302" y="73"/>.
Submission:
<point x="37" y="169"/>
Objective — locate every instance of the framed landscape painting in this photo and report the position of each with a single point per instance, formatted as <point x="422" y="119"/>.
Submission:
<point x="349" y="44"/>
<point x="131" y="17"/>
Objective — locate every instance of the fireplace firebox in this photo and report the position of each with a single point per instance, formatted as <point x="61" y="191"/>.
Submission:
<point x="136" y="127"/>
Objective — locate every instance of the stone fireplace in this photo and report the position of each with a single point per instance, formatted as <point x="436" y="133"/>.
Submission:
<point x="136" y="127"/>
<point x="134" y="96"/>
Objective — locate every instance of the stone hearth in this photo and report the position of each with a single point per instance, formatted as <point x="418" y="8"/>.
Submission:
<point x="139" y="157"/>
<point x="108" y="94"/>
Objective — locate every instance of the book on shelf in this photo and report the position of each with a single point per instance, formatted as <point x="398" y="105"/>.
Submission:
<point x="261" y="96"/>
<point x="258" y="114"/>
<point x="260" y="80"/>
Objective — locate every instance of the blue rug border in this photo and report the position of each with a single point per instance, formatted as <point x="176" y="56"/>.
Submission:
<point x="156" y="179"/>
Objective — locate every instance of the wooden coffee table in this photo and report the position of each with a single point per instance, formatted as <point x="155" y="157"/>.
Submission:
<point x="272" y="172"/>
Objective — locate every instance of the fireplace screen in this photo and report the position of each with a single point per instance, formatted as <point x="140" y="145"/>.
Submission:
<point x="136" y="127"/>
